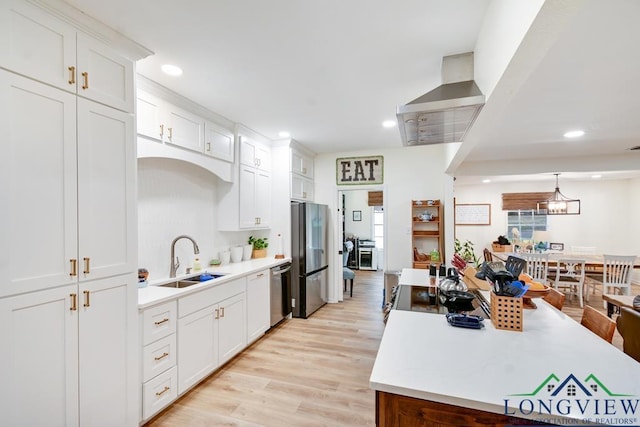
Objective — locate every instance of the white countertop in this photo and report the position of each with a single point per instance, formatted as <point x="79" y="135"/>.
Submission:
<point x="422" y="356"/>
<point x="154" y="294"/>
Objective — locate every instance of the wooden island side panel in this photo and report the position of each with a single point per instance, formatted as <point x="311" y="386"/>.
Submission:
<point x="393" y="410"/>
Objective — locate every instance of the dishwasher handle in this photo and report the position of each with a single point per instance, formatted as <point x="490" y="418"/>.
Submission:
<point x="276" y="271"/>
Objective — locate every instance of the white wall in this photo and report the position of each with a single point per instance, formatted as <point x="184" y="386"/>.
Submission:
<point x="177" y="198"/>
<point x="409" y="173"/>
<point x="358" y="201"/>
<point x="608" y="219"/>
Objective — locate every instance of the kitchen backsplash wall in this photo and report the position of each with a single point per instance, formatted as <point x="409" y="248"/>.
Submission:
<point x="175" y="198"/>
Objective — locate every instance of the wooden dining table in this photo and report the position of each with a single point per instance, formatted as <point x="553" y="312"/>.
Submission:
<point x="593" y="264"/>
<point x="615" y="300"/>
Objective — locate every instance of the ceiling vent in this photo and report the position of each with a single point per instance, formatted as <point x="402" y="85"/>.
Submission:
<point x="447" y="112"/>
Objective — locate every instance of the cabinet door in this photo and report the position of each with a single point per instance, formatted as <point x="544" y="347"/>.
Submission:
<point x="301" y="188"/>
<point x="39" y="359"/>
<point x="106" y="193"/>
<point x="231" y="327"/>
<point x="258" y="305"/>
<point x="254" y="154"/>
<point x="218" y="142"/>
<point x="36" y="44"/>
<point x="150" y="121"/>
<point x="37" y="185"/>
<point x="301" y="164"/>
<point x="197" y="346"/>
<point x="184" y="129"/>
<point x="263" y="198"/>
<point x="103" y="75"/>
<point x="108" y="362"/>
<point x="247" y="190"/>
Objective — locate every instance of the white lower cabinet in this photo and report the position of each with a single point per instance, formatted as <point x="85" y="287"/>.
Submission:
<point x="185" y="340"/>
<point x="198" y="346"/>
<point x="159" y="392"/>
<point x="66" y="352"/>
<point x="158" y="325"/>
<point x="231" y="327"/>
<point x="258" y="305"/>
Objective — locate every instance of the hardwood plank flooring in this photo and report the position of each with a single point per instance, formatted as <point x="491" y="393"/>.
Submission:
<point x="306" y="372"/>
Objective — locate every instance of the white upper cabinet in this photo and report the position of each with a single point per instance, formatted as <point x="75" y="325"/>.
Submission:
<point x="255" y="154"/>
<point x="106" y="191"/>
<point x="149" y="113"/>
<point x="38" y="185"/>
<point x="301" y="164"/>
<point x="183" y="128"/>
<point x="47" y="49"/>
<point x="218" y="142"/>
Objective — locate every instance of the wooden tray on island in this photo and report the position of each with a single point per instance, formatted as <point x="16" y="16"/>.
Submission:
<point x="534" y="293"/>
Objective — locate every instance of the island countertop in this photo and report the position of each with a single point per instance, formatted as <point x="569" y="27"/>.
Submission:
<point x="423" y="357"/>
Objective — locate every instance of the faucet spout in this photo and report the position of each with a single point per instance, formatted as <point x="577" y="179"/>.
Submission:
<point x="174" y="264"/>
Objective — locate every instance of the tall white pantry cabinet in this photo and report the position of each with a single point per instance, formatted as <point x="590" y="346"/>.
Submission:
<point x="68" y="282"/>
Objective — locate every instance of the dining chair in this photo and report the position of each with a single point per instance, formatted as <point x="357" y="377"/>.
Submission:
<point x="555" y="298"/>
<point x="616" y="273"/>
<point x="598" y="323"/>
<point x="537" y="266"/>
<point x="628" y="324"/>
<point x="488" y="256"/>
<point x="569" y="274"/>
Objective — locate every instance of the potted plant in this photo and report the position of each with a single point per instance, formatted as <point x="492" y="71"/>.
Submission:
<point x="465" y="250"/>
<point x="260" y="246"/>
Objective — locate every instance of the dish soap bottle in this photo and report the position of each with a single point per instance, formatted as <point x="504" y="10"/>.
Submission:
<point x="196" y="265"/>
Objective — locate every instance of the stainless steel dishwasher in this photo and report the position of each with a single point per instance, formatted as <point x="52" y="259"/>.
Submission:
<point x="280" y="292"/>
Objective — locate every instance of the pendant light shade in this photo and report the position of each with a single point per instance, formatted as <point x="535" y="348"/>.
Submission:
<point x="559" y="204"/>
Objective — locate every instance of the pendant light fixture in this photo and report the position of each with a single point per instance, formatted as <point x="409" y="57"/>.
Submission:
<point x="559" y="204"/>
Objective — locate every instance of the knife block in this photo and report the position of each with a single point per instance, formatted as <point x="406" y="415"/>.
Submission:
<point x="506" y="312"/>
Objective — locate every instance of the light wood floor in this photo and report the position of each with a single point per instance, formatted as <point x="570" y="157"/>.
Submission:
<point x="306" y="372"/>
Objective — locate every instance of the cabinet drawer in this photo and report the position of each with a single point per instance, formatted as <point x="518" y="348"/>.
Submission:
<point x="198" y="301"/>
<point x="159" y="322"/>
<point x="159" y="392"/>
<point x="158" y="356"/>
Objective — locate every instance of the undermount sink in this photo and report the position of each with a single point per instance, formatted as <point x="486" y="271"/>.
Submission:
<point x="193" y="280"/>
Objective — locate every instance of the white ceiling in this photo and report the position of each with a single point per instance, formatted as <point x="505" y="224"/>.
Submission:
<point x="330" y="72"/>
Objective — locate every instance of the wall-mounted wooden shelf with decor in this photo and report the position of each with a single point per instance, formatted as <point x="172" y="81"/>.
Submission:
<point x="427" y="233"/>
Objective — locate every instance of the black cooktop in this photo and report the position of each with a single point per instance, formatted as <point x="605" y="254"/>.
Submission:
<point x="429" y="300"/>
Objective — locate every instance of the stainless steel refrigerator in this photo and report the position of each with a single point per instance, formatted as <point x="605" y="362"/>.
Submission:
<point x="309" y="267"/>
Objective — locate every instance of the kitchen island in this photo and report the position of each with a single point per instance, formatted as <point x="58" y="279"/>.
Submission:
<point x="555" y="371"/>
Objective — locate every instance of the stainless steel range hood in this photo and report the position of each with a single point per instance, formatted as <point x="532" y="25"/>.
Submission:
<point x="447" y="112"/>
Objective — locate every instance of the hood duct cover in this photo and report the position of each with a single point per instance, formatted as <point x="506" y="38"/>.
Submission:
<point x="446" y="113"/>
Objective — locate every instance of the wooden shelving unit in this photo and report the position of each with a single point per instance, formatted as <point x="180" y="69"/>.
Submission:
<point x="427" y="235"/>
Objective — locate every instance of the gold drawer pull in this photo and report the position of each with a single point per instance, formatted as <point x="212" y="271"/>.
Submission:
<point x="222" y="312"/>
<point x="87" y="265"/>
<point x="170" y="134"/>
<point x="160" y="322"/>
<point x="85" y="76"/>
<point x="162" y="356"/>
<point x="87" y="303"/>
<point x="217" y="313"/>
<point x="164" y="390"/>
<point x="74" y="302"/>
<point x="72" y="75"/>
<point x="74" y="267"/>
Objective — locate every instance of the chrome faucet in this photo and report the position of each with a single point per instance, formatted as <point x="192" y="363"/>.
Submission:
<point x="175" y="262"/>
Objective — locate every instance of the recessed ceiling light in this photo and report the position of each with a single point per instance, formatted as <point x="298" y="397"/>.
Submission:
<point x="574" y="133"/>
<point x="486" y="181"/>
<point x="389" y="123"/>
<point x="284" y="134"/>
<point x="596" y="176"/>
<point x="171" y="70"/>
